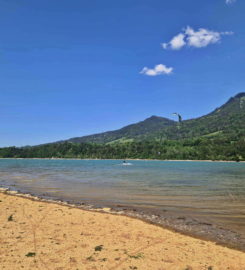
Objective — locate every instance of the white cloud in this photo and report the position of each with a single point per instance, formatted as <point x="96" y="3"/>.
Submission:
<point x="176" y="43"/>
<point x="201" y="38"/>
<point x="189" y="37"/>
<point x="157" y="70"/>
<point x="228" y="2"/>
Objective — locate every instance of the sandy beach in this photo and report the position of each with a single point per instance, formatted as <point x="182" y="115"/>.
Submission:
<point x="44" y="235"/>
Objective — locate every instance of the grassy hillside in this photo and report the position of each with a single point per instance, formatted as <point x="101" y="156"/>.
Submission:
<point x="140" y="130"/>
<point x="227" y="120"/>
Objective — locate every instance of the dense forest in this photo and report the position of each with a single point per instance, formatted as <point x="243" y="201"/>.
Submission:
<point x="219" y="135"/>
<point x="198" y="149"/>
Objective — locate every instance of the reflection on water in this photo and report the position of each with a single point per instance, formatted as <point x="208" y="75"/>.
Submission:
<point x="215" y="190"/>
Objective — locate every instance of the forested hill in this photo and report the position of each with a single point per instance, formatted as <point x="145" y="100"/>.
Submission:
<point x="219" y="135"/>
<point x="229" y="118"/>
<point x="141" y="130"/>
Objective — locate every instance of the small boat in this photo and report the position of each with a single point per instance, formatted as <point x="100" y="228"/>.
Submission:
<point x="126" y="163"/>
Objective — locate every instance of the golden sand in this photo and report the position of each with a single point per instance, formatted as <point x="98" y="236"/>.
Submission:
<point x="42" y="235"/>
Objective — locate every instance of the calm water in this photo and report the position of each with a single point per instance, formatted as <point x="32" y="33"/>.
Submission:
<point x="214" y="190"/>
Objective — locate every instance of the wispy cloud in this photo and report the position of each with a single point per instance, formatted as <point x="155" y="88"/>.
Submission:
<point x="189" y="37"/>
<point x="157" y="70"/>
<point x="228" y="2"/>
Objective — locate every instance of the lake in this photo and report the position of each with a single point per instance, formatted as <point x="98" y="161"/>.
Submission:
<point x="211" y="190"/>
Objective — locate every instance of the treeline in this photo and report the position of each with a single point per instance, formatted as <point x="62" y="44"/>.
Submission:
<point x="192" y="149"/>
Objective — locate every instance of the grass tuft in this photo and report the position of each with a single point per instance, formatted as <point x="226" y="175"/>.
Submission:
<point x="98" y="248"/>
<point x="137" y="256"/>
<point x="10" y="218"/>
<point x="91" y="258"/>
<point x="30" y="254"/>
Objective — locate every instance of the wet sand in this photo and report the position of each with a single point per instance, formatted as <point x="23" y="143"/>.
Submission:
<point x="46" y="235"/>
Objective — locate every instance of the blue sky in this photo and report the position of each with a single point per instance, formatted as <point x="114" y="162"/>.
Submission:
<point x="72" y="68"/>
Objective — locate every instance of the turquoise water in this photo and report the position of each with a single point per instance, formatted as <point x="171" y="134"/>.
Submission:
<point x="214" y="190"/>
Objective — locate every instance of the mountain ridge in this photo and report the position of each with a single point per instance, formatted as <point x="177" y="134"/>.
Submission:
<point x="219" y="135"/>
<point x="151" y="124"/>
<point x="157" y="126"/>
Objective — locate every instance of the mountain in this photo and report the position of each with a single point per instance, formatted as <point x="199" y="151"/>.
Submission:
<point x="140" y="130"/>
<point x="219" y="135"/>
<point x="229" y="118"/>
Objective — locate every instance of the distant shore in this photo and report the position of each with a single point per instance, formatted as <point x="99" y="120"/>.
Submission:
<point x="39" y="234"/>
<point x="179" y="160"/>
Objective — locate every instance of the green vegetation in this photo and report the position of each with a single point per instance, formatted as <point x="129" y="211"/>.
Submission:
<point x="140" y="131"/>
<point x="219" y="135"/>
<point x="91" y="258"/>
<point x="30" y="254"/>
<point x="10" y="218"/>
<point x="200" y="148"/>
<point x="98" y="248"/>
<point x="137" y="256"/>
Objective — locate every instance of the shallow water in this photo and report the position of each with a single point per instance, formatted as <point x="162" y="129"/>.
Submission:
<point x="211" y="190"/>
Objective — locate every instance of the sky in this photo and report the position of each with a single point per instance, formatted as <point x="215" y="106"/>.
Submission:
<point x="73" y="68"/>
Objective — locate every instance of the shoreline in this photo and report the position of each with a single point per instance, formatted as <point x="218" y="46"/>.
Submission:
<point x="186" y="225"/>
<point x="132" y="159"/>
<point x="44" y="234"/>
